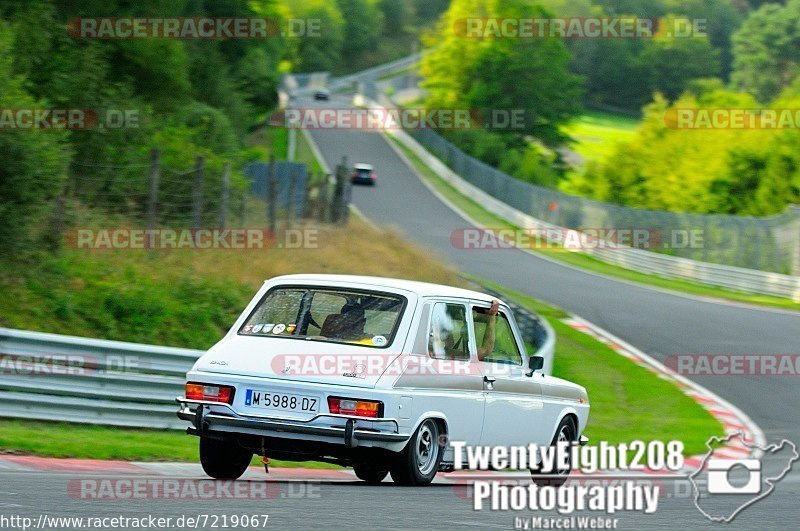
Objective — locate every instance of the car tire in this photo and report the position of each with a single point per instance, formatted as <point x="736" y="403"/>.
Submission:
<point x="566" y="432"/>
<point x="223" y="459"/>
<point x="418" y="462"/>
<point x="370" y="473"/>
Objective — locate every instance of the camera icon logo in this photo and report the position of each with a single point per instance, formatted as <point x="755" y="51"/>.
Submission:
<point x="720" y="472"/>
<point x="725" y="484"/>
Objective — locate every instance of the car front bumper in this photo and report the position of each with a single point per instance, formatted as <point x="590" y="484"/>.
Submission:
<point x="217" y="418"/>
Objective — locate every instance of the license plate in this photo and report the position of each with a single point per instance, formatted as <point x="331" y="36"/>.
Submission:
<point x="281" y="401"/>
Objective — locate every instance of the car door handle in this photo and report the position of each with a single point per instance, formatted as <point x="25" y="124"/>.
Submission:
<point x="489" y="379"/>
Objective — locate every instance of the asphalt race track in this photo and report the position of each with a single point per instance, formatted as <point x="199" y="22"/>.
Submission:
<point x="659" y="323"/>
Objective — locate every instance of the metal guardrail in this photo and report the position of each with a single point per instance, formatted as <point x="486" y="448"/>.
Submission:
<point x="731" y="277"/>
<point x="371" y="75"/>
<point x="94" y="381"/>
<point x="770" y="243"/>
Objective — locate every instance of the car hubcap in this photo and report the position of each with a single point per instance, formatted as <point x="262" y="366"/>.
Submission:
<point x="427" y="450"/>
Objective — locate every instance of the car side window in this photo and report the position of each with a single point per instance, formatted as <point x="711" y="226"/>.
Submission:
<point x="495" y="338"/>
<point x="448" y="335"/>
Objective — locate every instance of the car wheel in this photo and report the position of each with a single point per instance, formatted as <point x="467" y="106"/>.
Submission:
<point x="223" y="459"/>
<point x="370" y="473"/>
<point x="566" y="432"/>
<point x="418" y="462"/>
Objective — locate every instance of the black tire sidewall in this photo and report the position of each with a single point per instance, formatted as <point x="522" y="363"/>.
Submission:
<point x="371" y="473"/>
<point x="223" y="459"/>
<point x="536" y="475"/>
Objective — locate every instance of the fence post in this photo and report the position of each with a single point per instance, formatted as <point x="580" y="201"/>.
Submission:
<point x="338" y="206"/>
<point x="291" y="193"/>
<point x="225" y="194"/>
<point x="307" y="213"/>
<point x="272" y="202"/>
<point x="291" y="146"/>
<point x="347" y="195"/>
<point x="794" y="267"/>
<point x="322" y="199"/>
<point x="152" y="199"/>
<point x="197" y="193"/>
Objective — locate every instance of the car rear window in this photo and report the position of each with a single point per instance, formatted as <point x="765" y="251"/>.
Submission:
<point x="337" y="315"/>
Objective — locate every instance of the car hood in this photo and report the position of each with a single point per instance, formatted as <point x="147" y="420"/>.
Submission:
<point x="298" y="360"/>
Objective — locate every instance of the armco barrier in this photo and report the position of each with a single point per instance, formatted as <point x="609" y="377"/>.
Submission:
<point x="731" y="277"/>
<point x="97" y="381"/>
<point x="76" y="379"/>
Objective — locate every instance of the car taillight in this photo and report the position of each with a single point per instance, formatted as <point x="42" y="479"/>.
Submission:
<point x="351" y="406"/>
<point x="372" y="175"/>
<point x="354" y="174"/>
<point x="210" y="393"/>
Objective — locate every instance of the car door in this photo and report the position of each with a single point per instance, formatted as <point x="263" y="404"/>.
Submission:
<point x="514" y="409"/>
<point x="445" y="377"/>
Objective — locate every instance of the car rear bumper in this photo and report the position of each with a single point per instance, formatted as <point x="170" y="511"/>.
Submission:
<point x="216" y="418"/>
<point x="362" y="180"/>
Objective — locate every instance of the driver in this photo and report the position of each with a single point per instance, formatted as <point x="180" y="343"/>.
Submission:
<point x="487" y="345"/>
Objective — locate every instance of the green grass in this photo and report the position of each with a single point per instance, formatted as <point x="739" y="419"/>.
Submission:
<point x="85" y="441"/>
<point x="305" y="154"/>
<point x="583" y="261"/>
<point x="627" y="401"/>
<point x="276" y="139"/>
<point x="595" y="133"/>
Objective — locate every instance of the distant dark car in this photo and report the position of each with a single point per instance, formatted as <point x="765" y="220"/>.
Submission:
<point x="322" y="94"/>
<point x="363" y="174"/>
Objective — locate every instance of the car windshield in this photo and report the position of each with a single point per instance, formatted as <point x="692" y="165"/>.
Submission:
<point x="327" y="314"/>
<point x="363" y="171"/>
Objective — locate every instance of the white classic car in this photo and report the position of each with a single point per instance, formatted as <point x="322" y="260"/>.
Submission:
<point x="373" y="373"/>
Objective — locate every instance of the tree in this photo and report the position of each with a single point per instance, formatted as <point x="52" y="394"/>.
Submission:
<point x="672" y="61"/>
<point x="323" y="51"/>
<point x="766" y="50"/>
<point x="488" y="73"/>
<point x="363" y="25"/>
<point x="398" y="16"/>
<point x="34" y="165"/>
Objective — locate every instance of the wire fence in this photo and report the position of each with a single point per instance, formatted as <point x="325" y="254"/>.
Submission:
<point x="766" y="244"/>
<point x="269" y="195"/>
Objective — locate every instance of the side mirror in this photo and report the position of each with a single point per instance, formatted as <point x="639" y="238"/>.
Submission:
<point x="534" y="364"/>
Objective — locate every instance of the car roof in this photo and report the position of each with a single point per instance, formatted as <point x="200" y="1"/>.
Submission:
<point x="422" y="289"/>
<point x="362" y="166"/>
